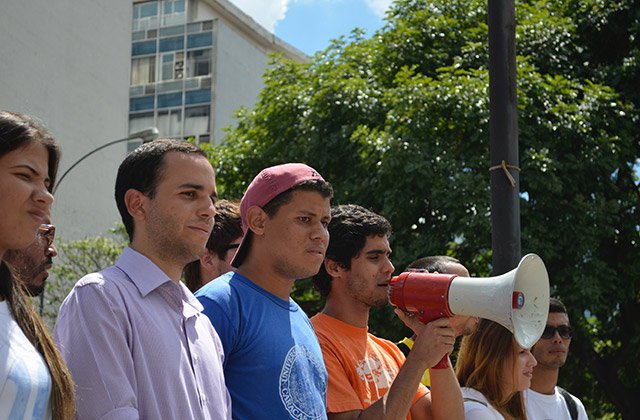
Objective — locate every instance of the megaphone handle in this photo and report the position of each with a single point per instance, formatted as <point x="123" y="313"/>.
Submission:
<point x="444" y="363"/>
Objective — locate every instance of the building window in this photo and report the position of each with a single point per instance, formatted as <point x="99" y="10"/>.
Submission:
<point x="173" y="12"/>
<point x="170" y="100"/>
<point x="140" y="121"/>
<point x="145" y="15"/>
<point x="172" y="31"/>
<point x="172" y="66"/>
<point x="204" y="39"/>
<point x="143" y="48"/>
<point x="196" y="120"/>
<point x="172" y="44"/>
<point x="170" y="122"/>
<point x="201" y="96"/>
<point x="143" y="70"/>
<point x="140" y="104"/>
<point x="198" y="63"/>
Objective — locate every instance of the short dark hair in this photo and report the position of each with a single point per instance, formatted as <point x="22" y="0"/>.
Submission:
<point x="226" y="228"/>
<point x="432" y="264"/>
<point x="349" y="228"/>
<point x="556" y="306"/>
<point x="314" y="185"/>
<point x="18" y="130"/>
<point x="142" y="170"/>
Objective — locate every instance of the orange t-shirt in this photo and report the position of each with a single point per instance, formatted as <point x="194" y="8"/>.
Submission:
<point x="361" y="366"/>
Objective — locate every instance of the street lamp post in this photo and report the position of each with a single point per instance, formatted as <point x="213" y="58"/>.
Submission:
<point x="147" y="135"/>
<point x="503" y="133"/>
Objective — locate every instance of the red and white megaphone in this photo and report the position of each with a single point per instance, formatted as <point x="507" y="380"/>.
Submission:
<point x="517" y="300"/>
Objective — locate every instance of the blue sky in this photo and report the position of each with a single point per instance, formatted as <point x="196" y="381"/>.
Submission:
<point x="310" y="25"/>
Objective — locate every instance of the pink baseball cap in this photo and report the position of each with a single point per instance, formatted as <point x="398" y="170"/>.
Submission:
<point x="268" y="184"/>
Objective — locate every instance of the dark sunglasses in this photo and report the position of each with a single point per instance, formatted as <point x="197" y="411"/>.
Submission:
<point x="47" y="232"/>
<point x="565" y="331"/>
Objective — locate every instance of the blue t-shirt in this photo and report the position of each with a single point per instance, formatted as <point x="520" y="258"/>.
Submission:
<point x="273" y="364"/>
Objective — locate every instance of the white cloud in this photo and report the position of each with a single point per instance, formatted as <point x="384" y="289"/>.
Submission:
<point x="269" y="12"/>
<point x="266" y="12"/>
<point x="379" y="7"/>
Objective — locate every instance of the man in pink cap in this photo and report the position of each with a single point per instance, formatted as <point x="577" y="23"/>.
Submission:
<point x="273" y="363"/>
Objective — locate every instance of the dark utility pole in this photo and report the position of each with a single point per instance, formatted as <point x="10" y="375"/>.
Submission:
<point x="503" y="132"/>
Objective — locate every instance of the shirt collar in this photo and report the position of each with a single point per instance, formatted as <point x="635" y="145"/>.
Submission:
<point x="141" y="270"/>
<point x="147" y="277"/>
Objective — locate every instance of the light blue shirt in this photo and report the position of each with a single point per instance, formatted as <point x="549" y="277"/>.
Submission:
<point x="138" y="346"/>
<point x="25" y="382"/>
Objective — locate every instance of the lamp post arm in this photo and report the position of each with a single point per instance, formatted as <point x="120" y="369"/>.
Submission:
<point x="83" y="158"/>
<point x="147" y="135"/>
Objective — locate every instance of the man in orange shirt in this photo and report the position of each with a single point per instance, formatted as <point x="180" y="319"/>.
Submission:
<point x="369" y="376"/>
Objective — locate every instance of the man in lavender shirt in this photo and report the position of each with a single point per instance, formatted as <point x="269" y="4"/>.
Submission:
<point x="133" y="335"/>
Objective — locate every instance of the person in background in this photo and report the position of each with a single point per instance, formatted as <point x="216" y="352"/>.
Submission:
<point x="273" y="363"/>
<point x="368" y="376"/>
<point x="34" y="381"/>
<point x="221" y="247"/>
<point x="545" y="399"/>
<point x="461" y="325"/>
<point x="31" y="265"/>
<point x="493" y="370"/>
<point x="133" y="335"/>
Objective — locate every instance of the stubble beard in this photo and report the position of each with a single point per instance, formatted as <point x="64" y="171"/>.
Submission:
<point x="355" y="288"/>
<point x="162" y="232"/>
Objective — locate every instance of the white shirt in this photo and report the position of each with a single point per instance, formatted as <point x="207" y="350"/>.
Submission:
<point x="550" y="407"/>
<point x="477" y="407"/>
<point x="25" y="382"/>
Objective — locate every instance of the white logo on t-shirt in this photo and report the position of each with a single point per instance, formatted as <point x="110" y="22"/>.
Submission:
<point x="300" y="379"/>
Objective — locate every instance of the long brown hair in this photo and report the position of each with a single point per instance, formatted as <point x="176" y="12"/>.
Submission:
<point x="16" y="131"/>
<point x="481" y="362"/>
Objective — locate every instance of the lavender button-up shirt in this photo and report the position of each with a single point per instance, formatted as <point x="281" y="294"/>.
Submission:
<point x="138" y="346"/>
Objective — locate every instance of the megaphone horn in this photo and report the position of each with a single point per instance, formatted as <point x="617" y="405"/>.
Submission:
<point x="518" y="300"/>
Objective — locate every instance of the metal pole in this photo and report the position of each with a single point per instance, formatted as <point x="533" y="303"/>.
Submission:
<point x="503" y="132"/>
<point x="146" y="135"/>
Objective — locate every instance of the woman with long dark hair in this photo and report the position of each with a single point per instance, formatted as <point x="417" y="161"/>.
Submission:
<point x="34" y="381"/>
<point x="493" y="370"/>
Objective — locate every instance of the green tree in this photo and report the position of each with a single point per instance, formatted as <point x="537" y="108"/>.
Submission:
<point x="399" y="123"/>
<point x="78" y="258"/>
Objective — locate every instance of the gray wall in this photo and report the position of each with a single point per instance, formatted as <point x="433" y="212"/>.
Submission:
<point x="67" y="62"/>
<point x="239" y="67"/>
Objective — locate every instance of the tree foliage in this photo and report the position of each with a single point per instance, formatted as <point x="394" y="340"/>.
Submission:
<point x="399" y="123"/>
<point x="78" y="258"/>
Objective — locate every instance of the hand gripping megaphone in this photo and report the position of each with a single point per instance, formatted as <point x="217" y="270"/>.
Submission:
<point x="517" y="300"/>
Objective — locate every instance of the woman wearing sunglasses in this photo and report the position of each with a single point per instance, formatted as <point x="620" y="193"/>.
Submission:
<point x="493" y="370"/>
<point x="34" y="382"/>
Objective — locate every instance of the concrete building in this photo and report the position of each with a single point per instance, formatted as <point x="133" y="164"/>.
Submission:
<point x="95" y="71"/>
<point x="194" y="63"/>
<point x="68" y="64"/>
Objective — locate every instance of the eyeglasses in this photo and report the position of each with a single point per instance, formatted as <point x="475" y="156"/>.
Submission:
<point x="47" y="232"/>
<point x="565" y="331"/>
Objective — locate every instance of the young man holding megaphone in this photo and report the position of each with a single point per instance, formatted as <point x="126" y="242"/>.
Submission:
<point x="368" y="376"/>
